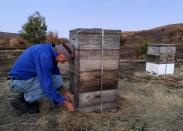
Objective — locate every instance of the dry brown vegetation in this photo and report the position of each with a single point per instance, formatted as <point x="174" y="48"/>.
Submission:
<point x="145" y="103"/>
<point x="52" y="37"/>
<point x="17" y="42"/>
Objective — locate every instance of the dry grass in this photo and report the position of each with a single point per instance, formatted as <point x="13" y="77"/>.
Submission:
<point x="74" y="121"/>
<point x="166" y="99"/>
<point x="146" y="103"/>
<point x="42" y="122"/>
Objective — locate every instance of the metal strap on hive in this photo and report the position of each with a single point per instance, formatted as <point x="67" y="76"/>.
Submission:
<point x="102" y="72"/>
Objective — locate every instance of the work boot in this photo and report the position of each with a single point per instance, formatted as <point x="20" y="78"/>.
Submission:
<point x="19" y="103"/>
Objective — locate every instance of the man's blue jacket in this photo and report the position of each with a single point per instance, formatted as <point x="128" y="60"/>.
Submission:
<point x="39" y="60"/>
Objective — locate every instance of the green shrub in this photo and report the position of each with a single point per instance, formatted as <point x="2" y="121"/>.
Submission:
<point x="34" y="31"/>
<point x="141" y="50"/>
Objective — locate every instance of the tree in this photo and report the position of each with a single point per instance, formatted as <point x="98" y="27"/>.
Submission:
<point x="34" y="31"/>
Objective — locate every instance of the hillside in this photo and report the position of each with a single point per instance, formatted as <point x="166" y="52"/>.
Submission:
<point x="8" y="35"/>
<point x="172" y="34"/>
<point x="5" y="38"/>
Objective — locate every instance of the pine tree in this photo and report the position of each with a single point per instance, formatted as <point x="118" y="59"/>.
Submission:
<point x="34" y="31"/>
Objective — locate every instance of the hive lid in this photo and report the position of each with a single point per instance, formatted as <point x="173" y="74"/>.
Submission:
<point x="161" y="44"/>
<point x="94" y="31"/>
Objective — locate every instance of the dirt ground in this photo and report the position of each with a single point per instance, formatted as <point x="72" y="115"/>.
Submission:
<point x="145" y="103"/>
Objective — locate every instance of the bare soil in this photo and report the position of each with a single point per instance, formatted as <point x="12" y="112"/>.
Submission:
<point x="145" y="103"/>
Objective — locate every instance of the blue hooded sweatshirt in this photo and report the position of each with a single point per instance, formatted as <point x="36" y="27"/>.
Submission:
<point x="39" y="60"/>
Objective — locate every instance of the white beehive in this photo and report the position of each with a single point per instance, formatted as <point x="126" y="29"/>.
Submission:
<point x="160" y="59"/>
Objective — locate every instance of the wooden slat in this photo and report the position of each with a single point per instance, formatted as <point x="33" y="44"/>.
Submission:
<point x="97" y="37"/>
<point x="168" y="50"/>
<point x="94" y="31"/>
<point x="74" y="67"/>
<point x="170" y="59"/>
<point x="88" y="65"/>
<point x="94" y="98"/>
<point x="96" y="54"/>
<point x="153" y="58"/>
<point x="153" y="50"/>
<point x="92" y="39"/>
<point x="161" y="49"/>
<point x="89" y="60"/>
<point x="90" y="86"/>
<point x="76" y="54"/>
<point x="161" y="58"/>
<point x="97" y="44"/>
<point x="95" y="75"/>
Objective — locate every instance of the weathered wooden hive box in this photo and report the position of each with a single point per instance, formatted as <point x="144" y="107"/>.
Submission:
<point x="94" y="71"/>
<point x="161" y="59"/>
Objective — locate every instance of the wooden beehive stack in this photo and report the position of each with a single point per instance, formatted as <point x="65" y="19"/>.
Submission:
<point x="96" y="55"/>
<point x="160" y="59"/>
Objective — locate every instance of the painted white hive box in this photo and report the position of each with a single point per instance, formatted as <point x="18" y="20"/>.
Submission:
<point x="161" y="59"/>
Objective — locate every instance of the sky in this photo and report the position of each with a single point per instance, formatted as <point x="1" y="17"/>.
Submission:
<point x="64" y="15"/>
